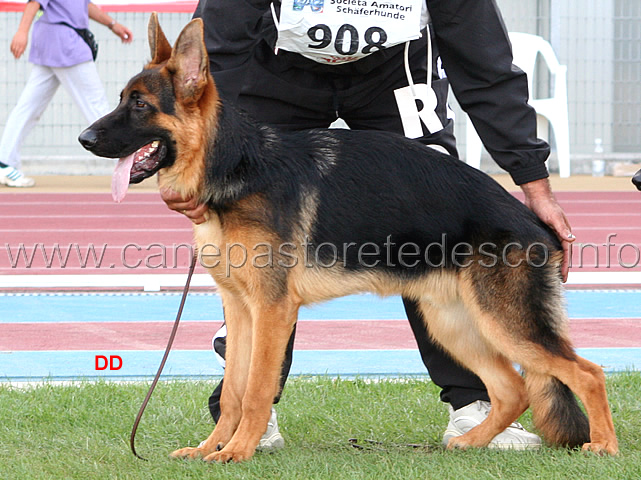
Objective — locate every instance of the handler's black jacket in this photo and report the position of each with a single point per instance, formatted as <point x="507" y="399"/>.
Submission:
<point x="474" y="48"/>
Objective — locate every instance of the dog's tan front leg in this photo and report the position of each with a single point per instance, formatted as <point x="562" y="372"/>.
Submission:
<point x="273" y="326"/>
<point x="237" y="361"/>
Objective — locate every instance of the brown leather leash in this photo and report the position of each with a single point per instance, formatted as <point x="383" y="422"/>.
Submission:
<point x="382" y="447"/>
<point x="164" y="358"/>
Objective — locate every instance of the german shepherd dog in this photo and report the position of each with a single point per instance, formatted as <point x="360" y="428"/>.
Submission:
<point x="301" y="217"/>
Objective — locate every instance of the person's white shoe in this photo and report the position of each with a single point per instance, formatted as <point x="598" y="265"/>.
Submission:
<point x="271" y="440"/>
<point x="514" y="437"/>
<point x="12" y="177"/>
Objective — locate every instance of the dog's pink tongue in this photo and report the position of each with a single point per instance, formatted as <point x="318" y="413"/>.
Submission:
<point x="120" y="178"/>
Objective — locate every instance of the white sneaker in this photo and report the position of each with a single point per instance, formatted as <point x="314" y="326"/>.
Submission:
<point x="272" y="439"/>
<point x="514" y="437"/>
<point x="12" y="177"/>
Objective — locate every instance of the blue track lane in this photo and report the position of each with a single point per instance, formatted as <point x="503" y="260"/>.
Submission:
<point x="66" y="365"/>
<point x="207" y="307"/>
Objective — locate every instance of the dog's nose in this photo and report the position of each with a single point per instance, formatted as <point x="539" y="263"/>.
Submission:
<point x="88" y="138"/>
<point x="637" y="180"/>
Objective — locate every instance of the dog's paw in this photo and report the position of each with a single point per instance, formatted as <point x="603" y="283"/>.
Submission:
<point x="225" y="455"/>
<point x="456" y="443"/>
<point x="601" y="448"/>
<point x="187" y="452"/>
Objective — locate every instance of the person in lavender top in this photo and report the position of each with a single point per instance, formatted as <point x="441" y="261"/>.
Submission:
<point x="59" y="56"/>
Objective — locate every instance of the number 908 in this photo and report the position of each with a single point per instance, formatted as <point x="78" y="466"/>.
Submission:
<point x="321" y="35"/>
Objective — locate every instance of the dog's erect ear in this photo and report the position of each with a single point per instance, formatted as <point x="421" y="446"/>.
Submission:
<point x="158" y="44"/>
<point x="189" y="62"/>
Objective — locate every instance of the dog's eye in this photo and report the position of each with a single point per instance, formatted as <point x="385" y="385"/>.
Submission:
<point x="140" y="104"/>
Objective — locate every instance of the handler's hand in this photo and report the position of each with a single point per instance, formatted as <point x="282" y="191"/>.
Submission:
<point x="189" y="207"/>
<point x="540" y="199"/>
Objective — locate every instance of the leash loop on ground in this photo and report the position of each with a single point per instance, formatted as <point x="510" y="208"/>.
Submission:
<point x="164" y="358"/>
<point x="380" y="446"/>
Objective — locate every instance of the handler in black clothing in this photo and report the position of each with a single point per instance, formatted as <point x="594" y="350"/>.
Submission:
<point x="302" y="89"/>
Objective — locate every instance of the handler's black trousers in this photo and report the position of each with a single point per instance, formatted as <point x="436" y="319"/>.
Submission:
<point x="280" y="94"/>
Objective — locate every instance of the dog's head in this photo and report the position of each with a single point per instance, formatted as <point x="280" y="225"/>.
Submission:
<point x="164" y="116"/>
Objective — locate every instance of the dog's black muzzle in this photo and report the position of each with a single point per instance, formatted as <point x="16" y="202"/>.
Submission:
<point x="88" y="138"/>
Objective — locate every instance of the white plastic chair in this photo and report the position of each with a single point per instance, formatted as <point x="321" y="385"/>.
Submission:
<point x="526" y="48"/>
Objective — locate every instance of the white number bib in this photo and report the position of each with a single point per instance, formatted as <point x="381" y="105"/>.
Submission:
<point x="340" y="31"/>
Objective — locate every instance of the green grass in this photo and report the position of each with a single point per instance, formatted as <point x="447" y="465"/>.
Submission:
<point x="82" y="432"/>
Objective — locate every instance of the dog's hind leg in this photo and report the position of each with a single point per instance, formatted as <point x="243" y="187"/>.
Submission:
<point x="508" y="398"/>
<point x="551" y="380"/>
<point x="237" y="360"/>
<point x="273" y="323"/>
<point x="451" y="325"/>
<point x="551" y="377"/>
<point x="521" y="314"/>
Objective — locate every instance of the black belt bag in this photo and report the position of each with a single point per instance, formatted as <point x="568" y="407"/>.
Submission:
<point x="88" y="37"/>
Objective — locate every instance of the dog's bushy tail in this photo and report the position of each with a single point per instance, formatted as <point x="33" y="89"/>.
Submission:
<point x="556" y="412"/>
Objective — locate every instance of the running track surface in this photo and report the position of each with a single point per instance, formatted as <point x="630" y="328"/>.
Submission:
<point x="58" y="335"/>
